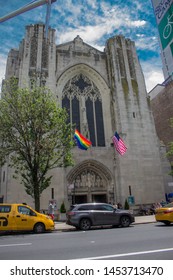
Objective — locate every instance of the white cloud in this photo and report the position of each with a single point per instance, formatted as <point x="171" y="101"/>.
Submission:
<point x="153" y="74"/>
<point x="137" y="23"/>
<point x="89" y="34"/>
<point x="146" y="43"/>
<point x="93" y="33"/>
<point x="92" y="3"/>
<point x="3" y="60"/>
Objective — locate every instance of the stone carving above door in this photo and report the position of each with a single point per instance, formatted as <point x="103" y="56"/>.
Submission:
<point x="89" y="179"/>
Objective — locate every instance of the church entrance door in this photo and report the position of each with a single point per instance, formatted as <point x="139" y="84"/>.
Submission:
<point x="99" y="198"/>
<point x="78" y="199"/>
<point x="90" y="181"/>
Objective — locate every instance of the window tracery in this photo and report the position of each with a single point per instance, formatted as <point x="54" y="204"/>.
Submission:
<point x="81" y="85"/>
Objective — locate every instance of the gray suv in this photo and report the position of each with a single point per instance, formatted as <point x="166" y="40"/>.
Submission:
<point x="84" y="216"/>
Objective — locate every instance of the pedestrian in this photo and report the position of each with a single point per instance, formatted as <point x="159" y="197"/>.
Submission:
<point x="143" y="210"/>
<point x="119" y="205"/>
<point x="51" y="210"/>
<point x="153" y="209"/>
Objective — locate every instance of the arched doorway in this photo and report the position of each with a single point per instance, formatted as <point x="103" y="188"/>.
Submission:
<point x="89" y="181"/>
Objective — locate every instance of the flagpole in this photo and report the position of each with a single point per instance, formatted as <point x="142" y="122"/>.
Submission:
<point x="26" y="8"/>
<point x="117" y="181"/>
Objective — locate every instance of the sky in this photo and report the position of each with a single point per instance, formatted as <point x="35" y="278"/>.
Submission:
<point x="95" y="21"/>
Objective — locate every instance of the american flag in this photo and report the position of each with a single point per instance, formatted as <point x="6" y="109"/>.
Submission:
<point x="119" y="144"/>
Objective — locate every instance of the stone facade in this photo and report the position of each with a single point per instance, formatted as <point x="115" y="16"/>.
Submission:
<point x="104" y="92"/>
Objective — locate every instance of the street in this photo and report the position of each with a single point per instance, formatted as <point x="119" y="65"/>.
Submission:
<point x="144" y="241"/>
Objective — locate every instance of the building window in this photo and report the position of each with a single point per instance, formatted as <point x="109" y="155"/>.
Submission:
<point x="3" y="176"/>
<point x="52" y="193"/>
<point x="83" y="102"/>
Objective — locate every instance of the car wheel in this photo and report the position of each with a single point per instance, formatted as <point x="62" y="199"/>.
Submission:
<point x="85" y="224"/>
<point x="167" y="223"/>
<point x="125" y="221"/>
<point x="39" y="228"/>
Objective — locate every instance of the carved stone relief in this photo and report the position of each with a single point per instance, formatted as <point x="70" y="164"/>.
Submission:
<point x="89" y="179"/>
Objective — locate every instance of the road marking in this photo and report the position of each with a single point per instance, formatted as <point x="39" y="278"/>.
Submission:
<point x="20" y="244"/>
<point x="128" y="254"/>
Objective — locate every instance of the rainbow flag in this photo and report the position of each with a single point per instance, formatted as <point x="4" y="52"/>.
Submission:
<point x="82" y="142"/>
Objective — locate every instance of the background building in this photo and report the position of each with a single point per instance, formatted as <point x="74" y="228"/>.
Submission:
<point x="161" y="96"/>
<point x="104" y="92"/>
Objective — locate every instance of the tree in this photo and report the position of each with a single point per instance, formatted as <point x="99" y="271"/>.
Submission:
<point x="170" y="150"/>
<point x="126" y="205"/>
<point x="62" y="208"/>
<point x="34" y="133"/>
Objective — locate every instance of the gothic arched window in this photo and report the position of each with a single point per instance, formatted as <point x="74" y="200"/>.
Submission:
<point x="82" y="100"/>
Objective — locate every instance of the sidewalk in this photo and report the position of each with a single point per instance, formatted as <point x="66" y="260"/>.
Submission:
<point x="62" y="226"/>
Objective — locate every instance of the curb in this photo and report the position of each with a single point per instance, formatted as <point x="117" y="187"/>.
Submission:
<point x="66" y="228"/>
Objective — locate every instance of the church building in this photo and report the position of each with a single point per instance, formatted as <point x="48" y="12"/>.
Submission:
<point x="103" y="92"/>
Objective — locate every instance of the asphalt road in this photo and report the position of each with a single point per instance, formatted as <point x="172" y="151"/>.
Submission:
<point x="138" y="242"/>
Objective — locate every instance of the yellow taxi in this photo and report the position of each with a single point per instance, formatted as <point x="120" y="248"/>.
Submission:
<point x="21" y="217"/>
<point x="165" y="214"/>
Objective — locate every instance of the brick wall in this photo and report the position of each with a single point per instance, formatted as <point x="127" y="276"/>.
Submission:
<point x="162" y="107"/>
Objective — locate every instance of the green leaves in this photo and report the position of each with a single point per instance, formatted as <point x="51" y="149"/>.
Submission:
<point x="34" y="133"/>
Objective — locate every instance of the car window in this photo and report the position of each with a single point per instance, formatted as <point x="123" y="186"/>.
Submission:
<point x="5" y="208"/>
<point x="108" y="208"/>
<point x="103" y="207"/>
<point x="85" y="207"/>
<point x="26" y="211"/>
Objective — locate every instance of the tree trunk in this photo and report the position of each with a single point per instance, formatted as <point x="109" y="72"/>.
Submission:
<point x="37" y="197"/>
<point x="36" y="186"/>
<point x="37" y="203"/>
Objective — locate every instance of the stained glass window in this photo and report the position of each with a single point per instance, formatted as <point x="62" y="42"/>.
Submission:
<point x="82" y="99"/>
